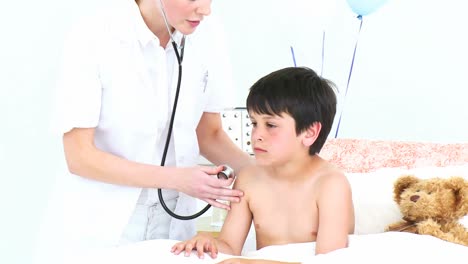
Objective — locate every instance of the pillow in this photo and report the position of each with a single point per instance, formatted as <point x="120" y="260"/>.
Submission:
<point x="374" y="207"/>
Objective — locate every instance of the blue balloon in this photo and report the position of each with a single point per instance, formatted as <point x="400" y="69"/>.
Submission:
<point x="365" y="7"/>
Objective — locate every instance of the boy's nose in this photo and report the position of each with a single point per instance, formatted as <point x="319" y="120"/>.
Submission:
<point x="256" y="136"/>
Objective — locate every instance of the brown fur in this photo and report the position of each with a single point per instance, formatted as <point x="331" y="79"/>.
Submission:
<point x="432" y="207"/>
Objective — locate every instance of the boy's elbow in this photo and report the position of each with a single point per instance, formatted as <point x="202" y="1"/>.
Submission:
<point x="324" y="249"/>
<point x="226" y="248"/>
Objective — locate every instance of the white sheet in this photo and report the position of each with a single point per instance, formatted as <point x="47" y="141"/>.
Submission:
<point x="390" y="247"/>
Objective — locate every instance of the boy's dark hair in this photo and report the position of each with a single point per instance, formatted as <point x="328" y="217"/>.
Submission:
<point x="299" y="92"/>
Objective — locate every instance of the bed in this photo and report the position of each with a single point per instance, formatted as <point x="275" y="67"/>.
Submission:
<point x="390" y="247"/>
<point x="371" y="167"/>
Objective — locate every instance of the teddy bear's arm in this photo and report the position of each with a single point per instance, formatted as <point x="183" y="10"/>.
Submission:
<point x="402" y="226"/>
<point x="459" y="232"/>
<point x="431" y="227"/>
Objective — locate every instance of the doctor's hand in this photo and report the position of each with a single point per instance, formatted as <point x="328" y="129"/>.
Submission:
<point x="200" y="182"/>
<point x="202" y="243"/>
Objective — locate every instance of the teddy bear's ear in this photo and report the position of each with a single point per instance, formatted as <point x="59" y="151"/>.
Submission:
<point x="459" y="186"/>
<point x="401" y="184"/>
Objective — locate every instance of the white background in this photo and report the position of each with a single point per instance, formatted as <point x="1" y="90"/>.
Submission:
<point x="408" y="80"/>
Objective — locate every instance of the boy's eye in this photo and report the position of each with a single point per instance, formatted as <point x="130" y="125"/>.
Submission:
<point x="254" y="124"/>
<point x="270" y="125"/>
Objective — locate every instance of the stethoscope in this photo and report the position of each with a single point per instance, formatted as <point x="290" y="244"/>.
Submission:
<point x="227" y="172"/>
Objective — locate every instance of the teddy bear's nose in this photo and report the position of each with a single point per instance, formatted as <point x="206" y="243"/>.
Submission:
<point x="414" y="198"/>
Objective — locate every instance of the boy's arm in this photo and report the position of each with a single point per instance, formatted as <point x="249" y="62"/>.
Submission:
<point x="238" y="220"/>
<point x="233" y="233"/>
<point x="335" y="212"/>
<point x="253" y="261"/>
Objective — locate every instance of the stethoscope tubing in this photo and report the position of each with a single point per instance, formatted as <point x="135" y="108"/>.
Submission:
<point x="227" y="172"/>
<point x="180" y="58"/>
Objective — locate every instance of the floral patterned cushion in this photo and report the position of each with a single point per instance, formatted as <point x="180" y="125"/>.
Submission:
<point x="361" y="155"/>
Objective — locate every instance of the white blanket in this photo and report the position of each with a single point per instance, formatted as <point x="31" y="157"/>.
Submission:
<point x="390" y="247"/>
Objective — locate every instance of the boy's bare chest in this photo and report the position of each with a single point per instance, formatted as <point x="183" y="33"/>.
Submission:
<point x="280" y="218"/>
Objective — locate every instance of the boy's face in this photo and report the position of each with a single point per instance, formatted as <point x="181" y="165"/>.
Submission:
<point x="274" y="139"/>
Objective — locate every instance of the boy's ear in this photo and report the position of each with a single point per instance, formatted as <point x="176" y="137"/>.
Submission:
<point x="311" y="134"/>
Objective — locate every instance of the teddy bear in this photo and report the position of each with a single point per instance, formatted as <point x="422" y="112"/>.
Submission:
<point x="432" y="206"/>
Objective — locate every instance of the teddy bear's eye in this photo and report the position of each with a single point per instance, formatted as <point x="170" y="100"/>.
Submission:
<point x="418" y="190"/>
<point x="429" y="193"/>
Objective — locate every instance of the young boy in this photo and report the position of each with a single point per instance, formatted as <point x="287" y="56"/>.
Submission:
<point x="291" y="194"/>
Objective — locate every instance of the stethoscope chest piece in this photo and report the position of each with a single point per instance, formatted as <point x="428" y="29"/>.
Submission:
<point x="226" y="173"/>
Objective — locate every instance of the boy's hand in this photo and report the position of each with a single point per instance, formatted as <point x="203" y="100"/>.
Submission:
<point x="202" y="243"/>
<point x="251" y="261"/>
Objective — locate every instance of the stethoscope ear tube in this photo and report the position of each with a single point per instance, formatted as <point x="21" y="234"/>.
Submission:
<point x="226" y="173"/>
<point x="171" y="123"/>
<point x="166" y="147"/>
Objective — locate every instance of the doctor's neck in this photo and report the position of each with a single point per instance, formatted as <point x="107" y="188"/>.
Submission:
<point x="154" y="20"/>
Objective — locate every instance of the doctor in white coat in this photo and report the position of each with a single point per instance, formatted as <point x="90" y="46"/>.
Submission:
<point x="115" y="98"/>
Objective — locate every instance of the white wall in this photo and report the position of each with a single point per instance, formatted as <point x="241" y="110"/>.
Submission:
<point x="408" y="78"/>
<point x="31" y="40"/>
<point x="407" y="81"/>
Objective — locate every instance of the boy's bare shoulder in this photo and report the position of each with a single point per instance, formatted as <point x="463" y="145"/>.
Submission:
<point x="249" y="175"/>
<point x="330" y="169"/>
<point x="329" y="174"/>
<point x="248" y="171"/>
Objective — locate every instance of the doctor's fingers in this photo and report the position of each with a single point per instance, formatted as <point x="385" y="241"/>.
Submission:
<point x="212" y="188"/>
<point x="211" y="170"/>
<point x="229" y="195"/>
<point x="217" y="204"/>
<point x="226" y="183"/>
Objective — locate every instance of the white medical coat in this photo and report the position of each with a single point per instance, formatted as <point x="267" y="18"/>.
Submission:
<point x="116" y="78"/>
